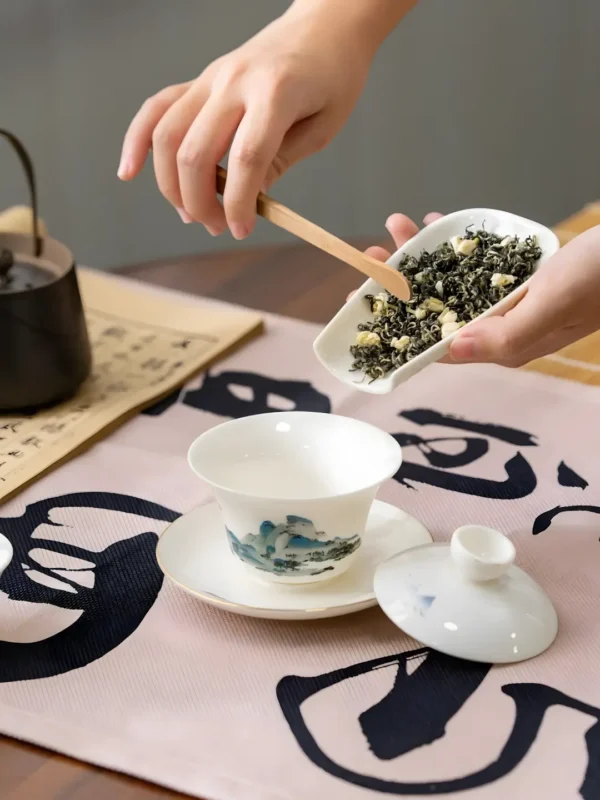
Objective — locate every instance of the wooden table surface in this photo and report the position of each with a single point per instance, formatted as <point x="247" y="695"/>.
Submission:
<point x="298" y="281"/>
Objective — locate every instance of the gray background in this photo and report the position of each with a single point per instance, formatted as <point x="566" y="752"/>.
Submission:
<point x="470" y="102"/>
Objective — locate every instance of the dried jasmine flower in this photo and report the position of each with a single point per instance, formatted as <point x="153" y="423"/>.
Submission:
<point x="367" y="339"/>
<point x="453" y="285"/>
<point x="400" y="344"/>
<point x="498" y="279"/>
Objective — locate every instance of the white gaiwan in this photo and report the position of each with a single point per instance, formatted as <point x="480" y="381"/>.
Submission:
<point x="467" y="598"/>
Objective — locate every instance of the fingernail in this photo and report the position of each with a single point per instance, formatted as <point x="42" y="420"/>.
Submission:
<point x="185" y="217"/>
<point x="213" y="230"/>
<point x="124" y="169"/>
<point x="239" y="231"/>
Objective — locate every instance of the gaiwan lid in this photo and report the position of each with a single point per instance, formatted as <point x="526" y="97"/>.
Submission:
<point x="467" y="598"/>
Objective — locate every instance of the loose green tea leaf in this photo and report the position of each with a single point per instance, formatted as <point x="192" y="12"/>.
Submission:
<point x="453" y="285"/>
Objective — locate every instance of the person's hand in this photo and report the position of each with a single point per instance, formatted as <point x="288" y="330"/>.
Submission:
<point x="562" y="304"/>
<point x="275" y="100"/>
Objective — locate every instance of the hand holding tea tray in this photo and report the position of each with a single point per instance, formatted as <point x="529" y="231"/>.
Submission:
<point x="558" y="306"/>
<point x="466" y="267"/>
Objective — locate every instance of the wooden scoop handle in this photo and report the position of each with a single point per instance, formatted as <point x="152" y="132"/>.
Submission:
<point x="391" y="280"/>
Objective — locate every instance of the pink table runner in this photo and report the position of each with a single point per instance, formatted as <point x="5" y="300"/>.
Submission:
<point x="103" y="660"/>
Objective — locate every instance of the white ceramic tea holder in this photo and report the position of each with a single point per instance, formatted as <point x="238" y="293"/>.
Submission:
<point x="195" y="555"/>
<point x="332" y="345"/>
<point x="467" y="599"/>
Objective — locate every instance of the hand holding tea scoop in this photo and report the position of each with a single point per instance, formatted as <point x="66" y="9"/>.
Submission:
<point x="561" y="306"/>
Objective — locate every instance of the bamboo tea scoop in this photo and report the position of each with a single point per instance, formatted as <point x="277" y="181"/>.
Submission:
<point x="391" y="280"/>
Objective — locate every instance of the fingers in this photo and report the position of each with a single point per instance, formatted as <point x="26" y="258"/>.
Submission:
<point x="203" y="146"/>
<point x="168" y="136"/>
<point x="433" y="216"/>
<point x="254" y="148"/>
<point x="550" y="316"/>
<point x="548" y="345"/>
<point x="138" y="139"/>
<point x="509" y="340"/>
<point x="379" y="253"/>
<point x="401" y="228"/>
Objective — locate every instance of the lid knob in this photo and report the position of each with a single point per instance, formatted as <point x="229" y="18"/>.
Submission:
<point x="480" y="553"/>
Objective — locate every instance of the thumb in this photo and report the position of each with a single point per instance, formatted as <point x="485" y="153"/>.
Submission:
<point x="506" y="340"/>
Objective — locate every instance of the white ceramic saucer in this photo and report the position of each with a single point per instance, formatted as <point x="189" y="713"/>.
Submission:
<point x="194" y="553"/>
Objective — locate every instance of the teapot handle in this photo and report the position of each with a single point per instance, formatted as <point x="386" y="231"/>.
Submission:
<point x="30" y="175"/>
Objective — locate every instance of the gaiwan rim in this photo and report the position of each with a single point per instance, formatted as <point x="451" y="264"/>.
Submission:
<point x="383" y="476"/>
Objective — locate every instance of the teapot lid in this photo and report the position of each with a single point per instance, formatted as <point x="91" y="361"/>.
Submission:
<point x="467" y="599"/>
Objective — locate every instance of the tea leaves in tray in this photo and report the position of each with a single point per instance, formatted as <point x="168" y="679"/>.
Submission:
<point x="453" y="285"/>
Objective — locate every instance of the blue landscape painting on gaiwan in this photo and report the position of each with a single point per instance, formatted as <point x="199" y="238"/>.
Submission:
<point x="293" y="547"/>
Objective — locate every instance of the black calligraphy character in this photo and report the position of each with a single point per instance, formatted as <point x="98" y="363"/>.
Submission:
<point x="81" y="407"/>
<point x="416" y="712"/>
<point x="520" y="478"/>
<point x="13" y="427"/>
<point x="65" y="574"/>
<point x="239" y="394"/>
<point x="32" y="441"/>
<point x="161" y="379"/>
<point x="53" y="427"/>
<point x="154" y="364"/>
<point x="183" y="344"/>
<point x="16" y="454"/>
<point x="115" y="332"/>
<point x="117" y="387"/>
<point x="568" y="477"/>
<point x="543" y="521"/>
